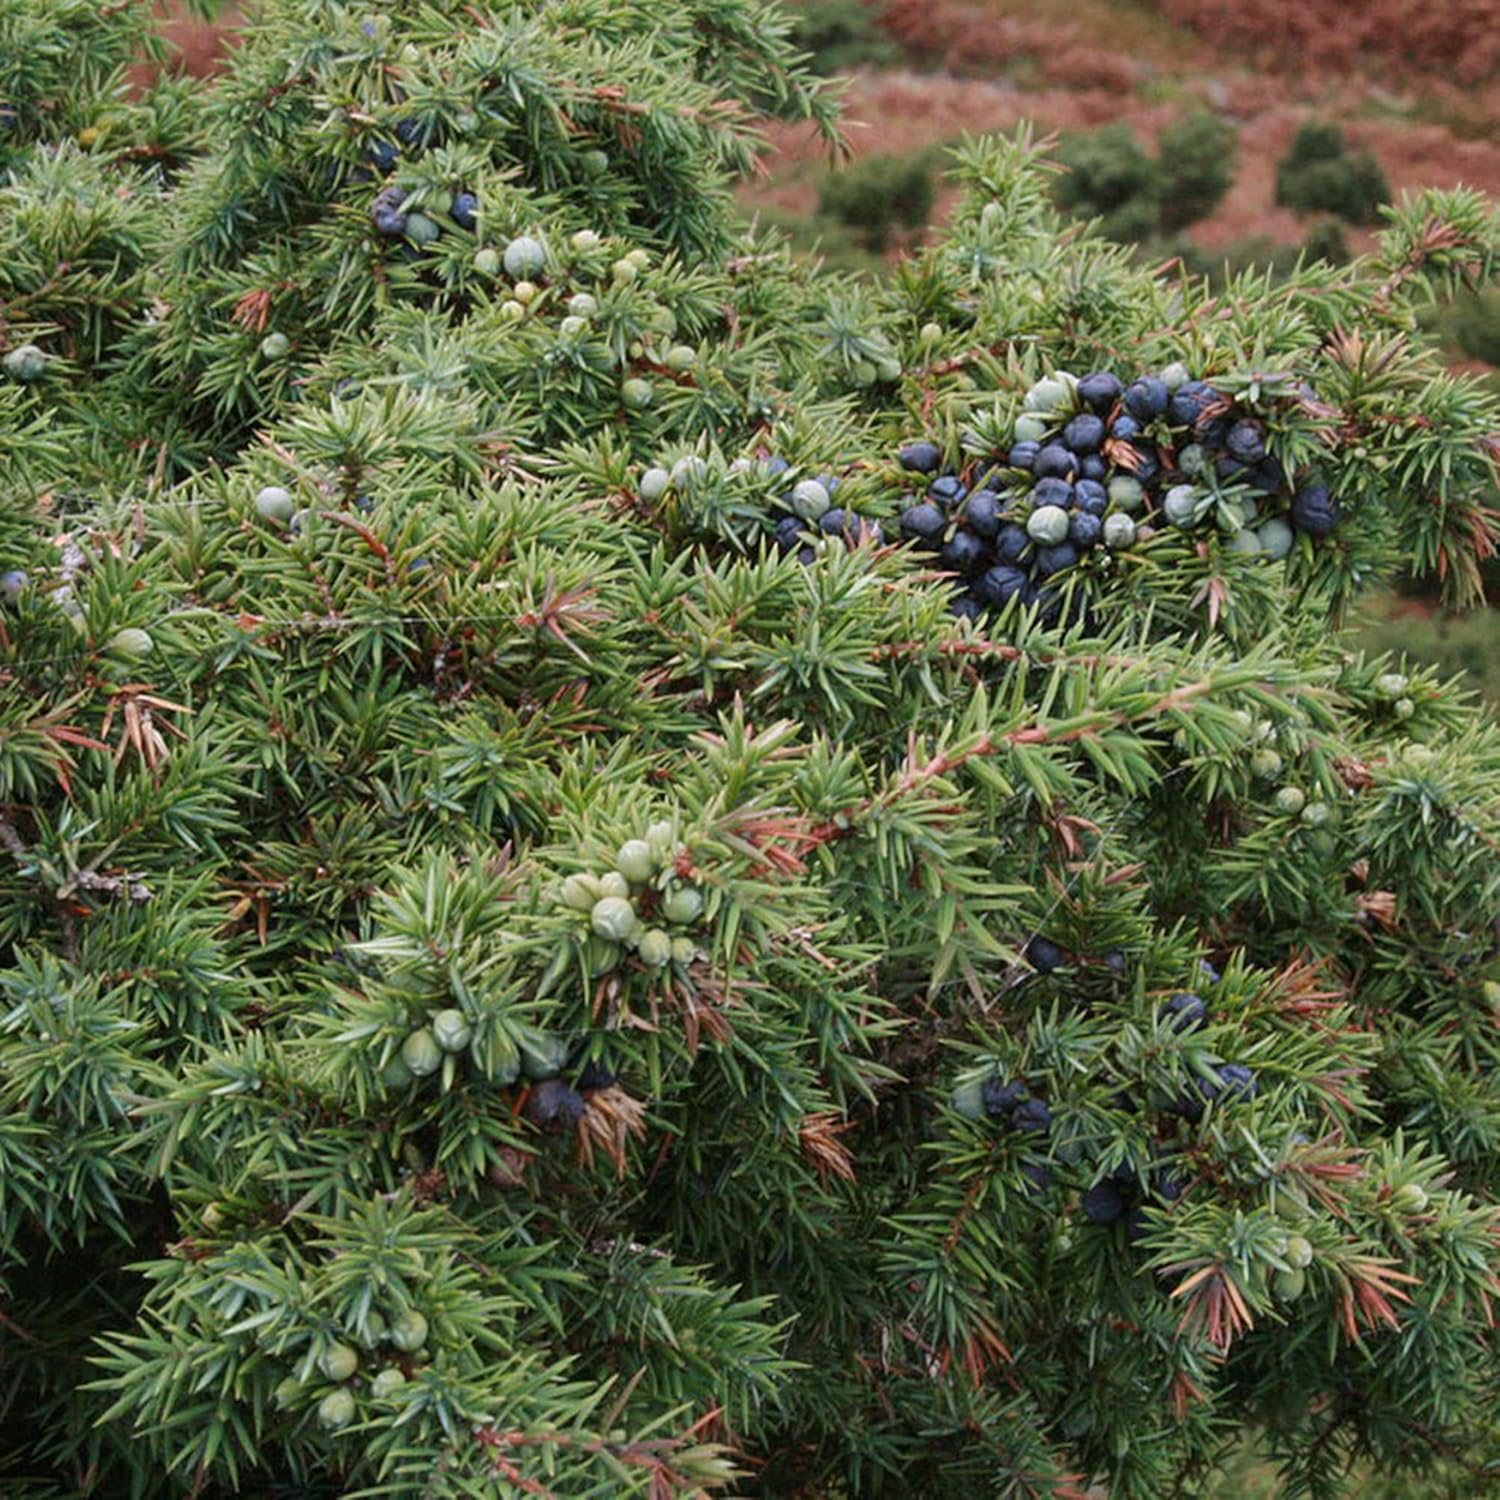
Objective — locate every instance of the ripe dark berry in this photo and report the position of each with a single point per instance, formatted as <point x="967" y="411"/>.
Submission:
<point x="1056" y="461"/>
<point x="1169" y="1186"/>
<point x="924" y="522"/>
<point x="1315" y="511"/>
<point x="966" y="607"/>
<point x="1115" y="961"/>
<point x="1188" y="1106"/>
<point x="1023" y="455"/>
<point x="1137" y="1226"/>
<point x="594" y="1075"/>
<point x="1103" y="1204"/>
<point x="465" y="207"/>
<point x="921" y="458"/>
<point x="1099" y="391"/>
<point x="409" y="131"/>
<point x="1091" y="496"/>
<point x="1269" y="477"/>
<point x="1185" y="1012"/>
<point x="1033" y="1115"/>
<point x="552" y="1102"/>
<point x="383" y="154"/>
<point x="1208" y="971"/>
<point x="789" y="533"/>
<point x="1084" y="433"/>
<point x="982" y="512"/>
<point x="948" y="490"/>
<point x="963" y="552"/>
<point x="1000" y="584"/>
<point x="1037" y="1176"/>
<point x="1147" y="467"/>
<point x="1051" y="491"/>
<point x="834" y="522"/>
<point x="1228" y="468"/>
<point x="1246" y="442"/>
<point x="1092" y="466"/>
<point x="1001" y="1097"/>
<point x="1050" y="560"/>
<point x="386" y="212"/>
<point x="1190" y="400"/>
<point x="1042" y="955"/>
<point x="1146" y="399"/>
<point x="1011" y="542"/>
<point x="1124" y="427"/>
<point x="1084" y="530"/>
<point x="1235" y="1081"/>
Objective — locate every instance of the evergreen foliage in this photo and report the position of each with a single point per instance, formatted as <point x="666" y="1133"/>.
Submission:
<point x="515" y="983"/>
<point x="1318" y="175"/>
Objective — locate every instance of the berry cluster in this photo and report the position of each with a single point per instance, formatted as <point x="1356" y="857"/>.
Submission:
<point x="405" y="1332"/>
<point x="1096" y="467"/>
<point x="643" y="882"/>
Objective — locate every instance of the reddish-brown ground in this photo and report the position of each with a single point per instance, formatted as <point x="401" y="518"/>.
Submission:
<point x="987" y="65"/>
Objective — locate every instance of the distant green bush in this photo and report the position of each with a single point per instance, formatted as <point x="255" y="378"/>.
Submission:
<point x="842" y="34"/>
<point x="876" y="193"/>
<point x="1135" y="197"/>
<point x="1318" y="175"/>
<point x="1109" y="177"/>
<point x="1197" y="159"/>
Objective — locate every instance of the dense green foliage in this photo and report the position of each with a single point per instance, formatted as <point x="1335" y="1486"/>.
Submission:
<point x="498" y="962"/>
<point x="1319" y="175"/>
<point x="876" y="193"/>
<point x="1136" y="197"/>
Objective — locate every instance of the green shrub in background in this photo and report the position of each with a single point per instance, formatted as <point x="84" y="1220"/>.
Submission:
<point x="875" y="194"/>
<point x="1196" y="161"/>
<point x="1136" y="197"/>
<point x="1109" y="177"/>
<point x="840" y="35"/>
<point x="1318" y="175"/>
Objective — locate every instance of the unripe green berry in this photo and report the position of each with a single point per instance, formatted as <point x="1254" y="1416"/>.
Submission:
<point x="612" y="884"/>
<point x="585" y="240"/>
<point x="273" y="503"/>
<point x="1119" y="532"/>
<point x="654" y="948"/>
<point x="1031" y="427"/>
<point x="387" y="1383"/>
<point x="524" y="257"/>
<point x="286" y="1392"/>
<point x="638" y="258"/>
<point x="580" y="892"/>
<point x="452" y="1030"/>
<point x="654" y="484"/>
<point x="512" y="311"/>
<point x="601" y="956"/>
<point x="1298" y="1253"/>
<point x="684" y="950"/>
<point x="624" y="272"/>
<point x="525" y="292"/>
<point x="1047" y="524"/>
<point x="930" y="333"/>
<point x="421" y="230"/>
<point x="336" y="1410"/>
<point x="1404" y="708"/>
<point x="409" y="1331"/>
<point x="338" y="1362"/>
<point x="572" y="328"/>
<point x="1174" y="375"/>
<point x="131" y="643"/>
<point x="583" y="305"/>
<point x="487" y="261"/>
<point x="1290" y="800"/>
<point x="594" y="163"/>
<point x="614" y="918"/>
<point x="683" y="903"/>
<point x="26" y="363"/>
<point x="1410" y="1198"/>
<point x="663" y="838"/>
<point x="275" y="346"/>
<point x="637" y="394"/>
<point x="1392" y="684"/>
<point x="1126" y="493"/>
<point x="636" y="861"/>
<point x="681" y="357"/>
<point x="1289" y="1285"/>
<point x="1317" y="814"/>
<point x="421" y="1053"/>
<point x="1266" y="763"/>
